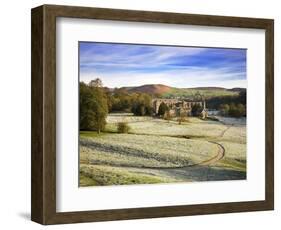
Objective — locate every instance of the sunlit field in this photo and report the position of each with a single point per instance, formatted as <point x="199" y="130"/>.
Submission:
<point x="159" y="151"/>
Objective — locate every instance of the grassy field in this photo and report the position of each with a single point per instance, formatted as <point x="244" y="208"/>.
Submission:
<point x="158" y="151"/>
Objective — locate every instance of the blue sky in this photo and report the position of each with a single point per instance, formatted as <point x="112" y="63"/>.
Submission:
<point x="120" y="65"/>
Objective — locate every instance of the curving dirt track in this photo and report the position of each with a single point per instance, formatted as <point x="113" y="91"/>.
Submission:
<point x="219" y="156"/>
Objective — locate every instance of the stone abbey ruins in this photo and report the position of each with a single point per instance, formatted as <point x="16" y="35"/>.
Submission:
<point x="179" y="106"/>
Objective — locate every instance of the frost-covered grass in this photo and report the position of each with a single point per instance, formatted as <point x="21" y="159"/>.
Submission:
<point x="145" y="150"/>
<point x="154" y="126"/>
<point x="235" y="134"/>
<point x="153" y="145"/>
<point x="193" y="128"/>
<point x="115" y="118"/>
<point x="125" y="117"/>
<point x="234" y="150"/>
<point x="108" y="175"/>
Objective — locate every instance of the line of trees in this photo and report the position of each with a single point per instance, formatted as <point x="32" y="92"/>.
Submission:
<point x="233" y="106"/>
<point x="139" y="104"/>
<point x="216" y="102"/>
<point x="233" y="110"/>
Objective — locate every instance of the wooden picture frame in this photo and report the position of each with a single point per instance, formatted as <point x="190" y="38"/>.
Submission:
<point x="43" y="207"/>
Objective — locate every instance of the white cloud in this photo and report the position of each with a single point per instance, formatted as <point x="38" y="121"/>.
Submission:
<point x="156" y="56"/>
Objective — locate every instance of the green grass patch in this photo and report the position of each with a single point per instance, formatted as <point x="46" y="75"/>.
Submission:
<point x="92" y="134"/>
<point x="111" y="128"/>
<point x="232" y="164"/>
<point x="86" y="181"/>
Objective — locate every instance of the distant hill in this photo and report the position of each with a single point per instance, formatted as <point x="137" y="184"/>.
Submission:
<point x="170" y="92"/>
<point x="150" y="89"/>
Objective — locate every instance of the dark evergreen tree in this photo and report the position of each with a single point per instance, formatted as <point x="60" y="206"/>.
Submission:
<point x="163" y="108"/>
<point x="196" y="110"/>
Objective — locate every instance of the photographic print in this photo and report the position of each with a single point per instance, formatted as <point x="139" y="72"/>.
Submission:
<point x="161" y="114"/>
<point x="188" y="106"/>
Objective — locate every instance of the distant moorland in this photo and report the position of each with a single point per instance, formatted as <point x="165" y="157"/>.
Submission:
<point x="169" y="92"/>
